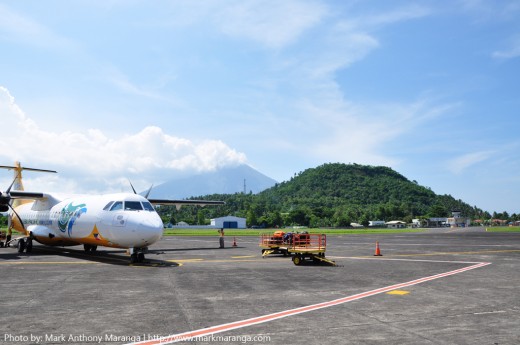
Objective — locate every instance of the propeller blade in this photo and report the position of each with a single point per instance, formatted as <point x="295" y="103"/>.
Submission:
<point x="17" y="215"/>
<point x="148" y="193"/>
<point x="11" y="186"/>
<point x="131" y="185"/>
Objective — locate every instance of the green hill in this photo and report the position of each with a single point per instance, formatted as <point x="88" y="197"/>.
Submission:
<point x="334" y="194"/>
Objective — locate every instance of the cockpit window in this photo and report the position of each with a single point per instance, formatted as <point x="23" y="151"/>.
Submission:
<point x="118" y="205"/>
<point x="148" y="206"/>
<point x="133" y="206"/>
<point x="107" y="207"/>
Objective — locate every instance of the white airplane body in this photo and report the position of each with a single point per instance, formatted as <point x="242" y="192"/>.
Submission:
<point x="121" y="220"/>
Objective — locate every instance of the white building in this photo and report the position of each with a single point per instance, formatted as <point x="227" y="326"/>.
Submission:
<point x="376" y="223"/>
<point x="458" y="220"/>
<point x="229" y="222"/>
<point x="395" y="224"/>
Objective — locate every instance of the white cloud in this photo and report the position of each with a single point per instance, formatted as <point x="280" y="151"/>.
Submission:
<point x="150" y="154"/>
<point x="20" y="28"/>
<point x="274" y="24"/>
<point x="513" y="51"/>
<point x="459" y="164"/>
<point x="360" y="133"/>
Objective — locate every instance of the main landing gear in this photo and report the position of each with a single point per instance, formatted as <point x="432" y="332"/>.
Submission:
<point x="89" y="248"/>
<point x="137" y="255"/>
<point x="25" y="244"/>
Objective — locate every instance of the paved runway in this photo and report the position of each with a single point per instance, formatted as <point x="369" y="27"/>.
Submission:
<point x="427" y="288"/>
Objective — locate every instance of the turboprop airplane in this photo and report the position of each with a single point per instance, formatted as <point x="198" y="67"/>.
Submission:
<point x="122" y="220"/>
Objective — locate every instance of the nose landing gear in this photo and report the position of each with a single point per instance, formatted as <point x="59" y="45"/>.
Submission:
<point x="137" y="255"/>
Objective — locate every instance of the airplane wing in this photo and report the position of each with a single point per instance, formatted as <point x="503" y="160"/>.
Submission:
<point x="179" y="203"/>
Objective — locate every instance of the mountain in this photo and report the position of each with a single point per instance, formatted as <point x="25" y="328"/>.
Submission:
<point x="369" y="188"/>
<point x="334" y="194"/>
<point x="223" y="181"/>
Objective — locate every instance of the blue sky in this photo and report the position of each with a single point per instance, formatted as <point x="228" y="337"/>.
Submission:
<point x="105" y="90"/>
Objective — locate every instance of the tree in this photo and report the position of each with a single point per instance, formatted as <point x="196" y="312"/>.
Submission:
<point x="437" y="211"/>
<point x="201" y="217"/>
<point x="363" y="220"/>
<point x="251" y="218"/>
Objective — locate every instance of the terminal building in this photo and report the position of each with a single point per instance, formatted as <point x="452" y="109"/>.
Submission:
<point x="457" y="220"/>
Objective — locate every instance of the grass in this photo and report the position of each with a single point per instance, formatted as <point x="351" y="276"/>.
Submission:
<point x="503" y="229"/>
<point x="256" y="232"/>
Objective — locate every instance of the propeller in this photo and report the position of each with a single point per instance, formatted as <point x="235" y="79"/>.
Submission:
<point x="5" y="202"/>
<point x="147" y="193"/>
<point x="7" y="197"/>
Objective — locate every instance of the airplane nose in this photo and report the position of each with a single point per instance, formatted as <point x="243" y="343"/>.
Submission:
<point x="151" y="229"/>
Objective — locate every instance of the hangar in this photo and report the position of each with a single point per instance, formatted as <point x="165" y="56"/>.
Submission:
<point x="229" y="222"/>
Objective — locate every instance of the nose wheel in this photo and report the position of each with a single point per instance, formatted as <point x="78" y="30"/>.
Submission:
<point x="137" y="255"/>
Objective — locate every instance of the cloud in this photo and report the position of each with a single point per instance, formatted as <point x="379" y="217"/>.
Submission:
<point x="150" y="154"/>
<point x="274" y="24"/>
<point x="23" y="29"/>
<point x="513" y="51"/>
<point x="361" y="132"/>
<point x="461" y="163"/>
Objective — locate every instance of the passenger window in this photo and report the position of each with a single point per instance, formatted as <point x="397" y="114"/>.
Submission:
<point x="148" y="206"/>
<point x="118" y="205"/>
<point x="133" y="206"/>
<point x="107" y="207"/>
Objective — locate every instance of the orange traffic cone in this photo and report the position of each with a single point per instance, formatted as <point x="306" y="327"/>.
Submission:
<point x="378" y="251"/>
<point x="235" y="242"/>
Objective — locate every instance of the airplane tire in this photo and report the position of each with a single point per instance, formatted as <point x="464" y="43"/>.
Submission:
<point x="133" y="258"/>
<point x="21" y="245"/>
<point x="140" y="257"/>
<point x="29" y="246"/>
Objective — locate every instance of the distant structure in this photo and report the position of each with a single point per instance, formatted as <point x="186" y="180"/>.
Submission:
<point x="457" y="220"/>
<point x="229" y="222"/>
<point x="395" y="224"/>
<point x="375" y="223"/>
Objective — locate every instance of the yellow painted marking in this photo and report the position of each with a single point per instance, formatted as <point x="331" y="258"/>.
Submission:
<point x="186" y="260"/>
<point x="243" y="257"/>
<point x="398" y="292"/>
<point x="225" y="260"/>
<point x="49" y="263"/>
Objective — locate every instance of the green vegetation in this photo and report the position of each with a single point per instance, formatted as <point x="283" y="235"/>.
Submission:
<point x="250" y="232"/>
<point x="333" y="195"/>
<point x="504" y="229"/>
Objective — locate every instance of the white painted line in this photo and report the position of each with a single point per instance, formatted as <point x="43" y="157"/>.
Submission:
<point x="411" y="260"/>
<point x="427" y="244"/>
<point x="203" y="332"/>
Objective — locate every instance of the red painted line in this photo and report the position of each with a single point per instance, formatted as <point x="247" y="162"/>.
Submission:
<point x="270" y="317"/>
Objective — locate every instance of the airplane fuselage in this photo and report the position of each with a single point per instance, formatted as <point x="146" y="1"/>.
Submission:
<point x="113" y="220"/>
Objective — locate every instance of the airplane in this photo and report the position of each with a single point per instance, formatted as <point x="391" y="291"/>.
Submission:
<point x="120" y="220"/>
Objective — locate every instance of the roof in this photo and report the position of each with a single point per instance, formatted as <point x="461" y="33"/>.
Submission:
<point x="395" y="222"/>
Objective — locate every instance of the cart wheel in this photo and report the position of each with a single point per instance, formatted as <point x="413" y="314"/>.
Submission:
<point x="297" y="259"/>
